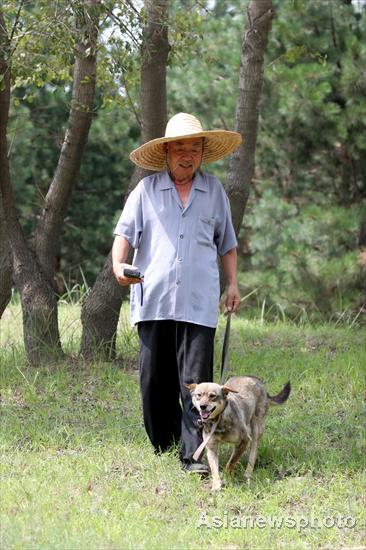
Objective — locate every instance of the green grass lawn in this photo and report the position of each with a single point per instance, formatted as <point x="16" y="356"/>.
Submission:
<point x="78" y="472"/>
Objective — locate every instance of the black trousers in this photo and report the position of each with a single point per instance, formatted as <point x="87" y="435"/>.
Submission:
<point x="172" y="354"/>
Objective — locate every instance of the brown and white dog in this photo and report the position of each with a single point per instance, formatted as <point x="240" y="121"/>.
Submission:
<point x="233" y="413"/>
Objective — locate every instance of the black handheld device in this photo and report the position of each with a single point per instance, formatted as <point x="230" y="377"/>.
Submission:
<point x="132" y="273"/>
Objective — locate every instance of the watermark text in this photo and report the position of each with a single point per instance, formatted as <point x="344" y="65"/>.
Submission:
<point x="299" y="523"/>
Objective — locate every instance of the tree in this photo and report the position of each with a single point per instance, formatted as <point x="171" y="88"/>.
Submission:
<point x="34" y="270"/>
<point x="5" y="255"/>
<point x="6" y="271"/>
<point x="242" y="162"/>
<point x="101" y="308"/>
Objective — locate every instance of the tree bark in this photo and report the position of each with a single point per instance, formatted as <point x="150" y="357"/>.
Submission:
<point x="5" y="258"/>
<point x="154" y="57"/>
<point x="242" y="162"/>
<point x="6" y="271"/>
<point x="57" y="199"/>
<point x="101" y="308"/>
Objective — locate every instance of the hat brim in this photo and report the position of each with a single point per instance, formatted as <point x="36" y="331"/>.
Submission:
<point x="218" y="144"/>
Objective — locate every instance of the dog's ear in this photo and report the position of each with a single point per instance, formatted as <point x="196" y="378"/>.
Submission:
<point x="226" y="390"/>
<point x="191" y="387"/>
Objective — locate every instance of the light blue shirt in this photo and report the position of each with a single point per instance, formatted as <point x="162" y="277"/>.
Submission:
<point x="176" y="248"/>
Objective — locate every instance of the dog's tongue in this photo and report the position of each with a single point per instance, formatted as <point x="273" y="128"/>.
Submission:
<point x="205" y="414"/>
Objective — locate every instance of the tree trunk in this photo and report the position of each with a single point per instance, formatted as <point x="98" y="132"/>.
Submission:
<point x="33" y="275"/>
<point x="241" y="169"/>
<point x="5" y="254"/>
<point x="6" y="271"/>
<point x="154" y="57"/>
<point x="101" y="308"/>
<point x="57" y="199"/>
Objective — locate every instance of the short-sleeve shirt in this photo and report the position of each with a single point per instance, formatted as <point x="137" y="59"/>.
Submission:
<point x="176" y="248"/>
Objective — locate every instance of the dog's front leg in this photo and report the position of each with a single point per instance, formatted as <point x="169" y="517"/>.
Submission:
<point x="236" y="454"/>
<point x="213" y="461"/>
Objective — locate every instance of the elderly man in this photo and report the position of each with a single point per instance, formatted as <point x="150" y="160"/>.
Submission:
<point x="178" y="221"/>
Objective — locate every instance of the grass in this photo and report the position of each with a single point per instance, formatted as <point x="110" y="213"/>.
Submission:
<point x="78" y="471"/>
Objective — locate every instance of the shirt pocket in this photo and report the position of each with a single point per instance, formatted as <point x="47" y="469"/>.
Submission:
<point x="205" y="231"/>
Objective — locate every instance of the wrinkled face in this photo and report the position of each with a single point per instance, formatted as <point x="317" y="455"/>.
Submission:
<point x="209" y="399"/>
<point x="184" y="158"/>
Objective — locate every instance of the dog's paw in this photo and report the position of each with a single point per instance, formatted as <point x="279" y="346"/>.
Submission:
<point x="216" y="486"/>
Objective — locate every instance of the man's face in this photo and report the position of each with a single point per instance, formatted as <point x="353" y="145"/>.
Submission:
<point x="184" y="158"/>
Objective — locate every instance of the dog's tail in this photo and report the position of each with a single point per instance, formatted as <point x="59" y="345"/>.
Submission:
<point x="282" y="396"/>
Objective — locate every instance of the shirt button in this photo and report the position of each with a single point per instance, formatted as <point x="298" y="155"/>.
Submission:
<point x="181" y="236"/>
<point x="178" y="282"/>
<point x="180" y="259"/>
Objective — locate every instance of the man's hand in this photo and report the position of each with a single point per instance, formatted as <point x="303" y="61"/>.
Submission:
<point x="121" y="277"/>
<point x="120" y="251"/>
<point x="232" y="300"/>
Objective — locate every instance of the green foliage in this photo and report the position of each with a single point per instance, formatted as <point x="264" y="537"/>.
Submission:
<point x="205" y="83"/>
<point x="37" y="32"/>
<point x="185" y="32"/>
<point x="305" y="257"/>
<point x="313" y="121"/>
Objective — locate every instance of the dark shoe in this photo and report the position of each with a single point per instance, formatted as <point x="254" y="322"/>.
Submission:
<point x="196" y="468"/>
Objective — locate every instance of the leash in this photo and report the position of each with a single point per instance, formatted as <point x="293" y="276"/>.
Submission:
<point x="225" y="349"/>
<point x="200" y="449"/>
<point x="224" y="365"/>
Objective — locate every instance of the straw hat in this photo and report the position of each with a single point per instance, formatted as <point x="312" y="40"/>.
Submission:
<point x="218" y="143"/>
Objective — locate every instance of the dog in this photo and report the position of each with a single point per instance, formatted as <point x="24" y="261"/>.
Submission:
<point x="233" y="413"/>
